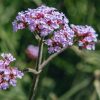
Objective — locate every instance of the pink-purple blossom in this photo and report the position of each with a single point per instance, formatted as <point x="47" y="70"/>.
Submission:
<point x="8" y="74"/>
<point x="32" y="51"/>
<point x="85" y="36"/>
<point x="7" y="58"/>
<point x="44" y="20"/>
<point x="53" y="26"/>
<point x="61" y="38"/>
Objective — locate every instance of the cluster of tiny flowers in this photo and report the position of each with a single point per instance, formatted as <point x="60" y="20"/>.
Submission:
<point x="8" y="75"/>
<point x="61" y="38"/>
<point x="32" y="51"/>
<point x="53" y="26"/>
<point x="47" y="22"/>
<point x="43" y="20"/>
<point x="85" y="36"/>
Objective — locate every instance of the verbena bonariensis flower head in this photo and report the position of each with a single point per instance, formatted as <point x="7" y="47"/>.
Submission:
<point x="43" y="20"/>
<point x="47" y="22"/>
<point x="61" y="38"/>
<point x="32" y="51"/>
<point x="85" y="36"/>
<point x="8" y="74"/>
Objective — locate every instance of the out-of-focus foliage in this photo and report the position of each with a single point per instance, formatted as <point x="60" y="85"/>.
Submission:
<point x="70" y="76"/>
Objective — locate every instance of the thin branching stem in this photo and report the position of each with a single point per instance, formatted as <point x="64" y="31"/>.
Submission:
<point x="35" y="72"/>
<point x="50" y="58"/>
<point x="36" y="77"/>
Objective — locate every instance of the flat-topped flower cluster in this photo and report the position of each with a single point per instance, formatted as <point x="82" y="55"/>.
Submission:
<point x="53" y="26"/>
<point x="86" y="36"/>
<point x="8" y="74"/>
<point x="46" y="21"/>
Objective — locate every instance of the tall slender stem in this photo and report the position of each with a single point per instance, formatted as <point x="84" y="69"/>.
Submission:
<point x="50" y="58"/>
<point x="36" y="77"/>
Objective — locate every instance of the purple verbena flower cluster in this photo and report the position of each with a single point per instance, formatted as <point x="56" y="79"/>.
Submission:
<point x="85" y="36"/>
<point x="8" y="75"/>
<point x="61" y="38"/>
<point x="43" y="20"/>
<point x="46" y="21"/>
<point x="53" y="26"/>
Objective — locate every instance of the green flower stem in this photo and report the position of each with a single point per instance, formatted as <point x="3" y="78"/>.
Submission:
<point x="35" y="72"/>
<point x="36" y="77"/>
<point x="50" y="58"/>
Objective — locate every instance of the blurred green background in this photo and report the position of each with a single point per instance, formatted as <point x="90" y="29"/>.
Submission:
<point x="74" y="74"/>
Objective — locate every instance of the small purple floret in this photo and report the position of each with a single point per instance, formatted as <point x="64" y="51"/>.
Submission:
<point x="85" y="36"/>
